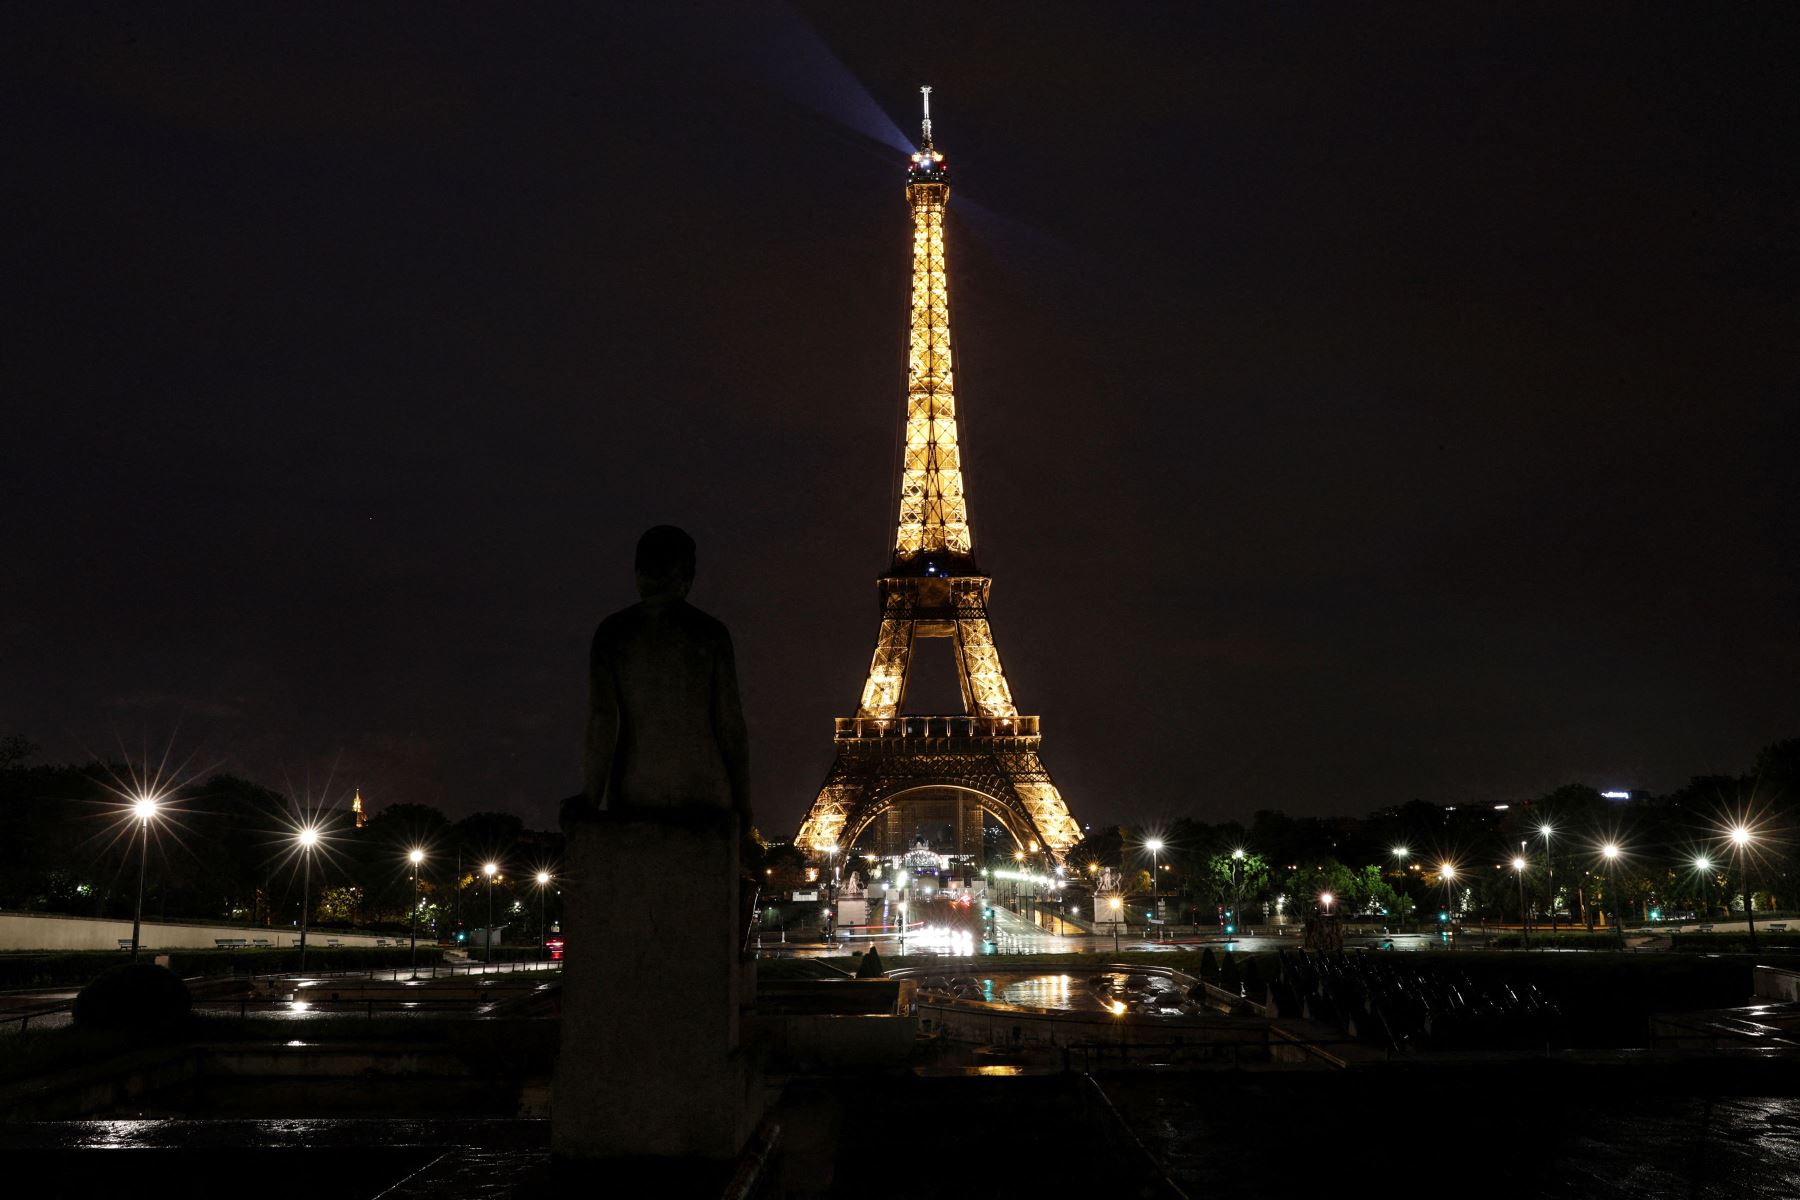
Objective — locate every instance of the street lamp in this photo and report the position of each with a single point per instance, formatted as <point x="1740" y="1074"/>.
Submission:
<point x="543" y="882"/>
<point x="1400" y="853"/>
<point x="1154" y="846"/>
<point x="1703" y="865"/>
<point x="1544" y="832"/>
<point x="1325" y="899"/>
<point x="1447" y="872"/>
<point x="415" y="858"/>
<point x="1610" y="852"/>
<point x="1518" y="865"/>
<point x="490" y="870"/>
<point x="1237" y="889"/>
<point x="1116" y="904"/>
<point x="1741" y="838"/>
<point x="143" y="810"/>
<point x="308" y="837"/>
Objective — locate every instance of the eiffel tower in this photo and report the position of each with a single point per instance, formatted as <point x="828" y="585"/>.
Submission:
<point x="892" y="767"/>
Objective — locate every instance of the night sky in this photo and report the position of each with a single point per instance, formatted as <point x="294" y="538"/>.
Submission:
<point x="1359" y="404"/>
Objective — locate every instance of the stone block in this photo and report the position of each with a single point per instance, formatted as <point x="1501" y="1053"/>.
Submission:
<point x="652" y="1062"/>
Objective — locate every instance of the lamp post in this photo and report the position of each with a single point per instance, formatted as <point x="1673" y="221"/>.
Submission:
<point x="1325" y="901"/>
<point x="308" y="838"/>
<point x="1544" y="830"/>
<point x="1518" y="865"/>
<point x="1116" y="905"/>
<point x="490" y="870"/>
<point x="1154" y="846"/>
<point x="415" y="858"/>
<point x="1447" y="872"/>
<point x="1237" y="890"/>
<point x="143" y="810"/>
<point x="1610" y="852"/>
<point x="543" y="882"/>
<point x="1400" y="853"/>
<point x="1741" y="838"/>
<point x="1703" y="865"/>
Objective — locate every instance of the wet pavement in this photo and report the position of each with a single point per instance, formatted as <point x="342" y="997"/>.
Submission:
<point x="1083" y="992"/>
<point x="281" y="1159"/>
<point x="1015" y="934"/>
<point x="297" y="997"/>
<point x="1606" y="1133"/>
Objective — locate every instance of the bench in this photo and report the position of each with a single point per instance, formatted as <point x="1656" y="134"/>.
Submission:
<point x="333" y="942"/>
<point x="124" y="943"/>
<point x="263" y="944"/>
<point x="1777" y="927"/>
<point x="230" y="943"/>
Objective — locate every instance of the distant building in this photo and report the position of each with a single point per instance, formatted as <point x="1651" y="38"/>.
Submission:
<point x="356" y="810"/>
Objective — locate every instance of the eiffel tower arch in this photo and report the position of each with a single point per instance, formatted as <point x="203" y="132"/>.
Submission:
<point x="981" y="762"/>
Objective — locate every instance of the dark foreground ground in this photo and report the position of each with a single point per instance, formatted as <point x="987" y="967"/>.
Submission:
<point x="1644" y="1128"/>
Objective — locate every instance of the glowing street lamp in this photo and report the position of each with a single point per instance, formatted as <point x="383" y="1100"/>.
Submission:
<point x="1544" y="831"/>
<point x="1518" y="866"/>
<point x="1237" y="889"/>
<point x="1116" y="904"/>
<point x="543" y="882"/>
<point x="308" y="837"/>
<point x="144" y="809"/>
<point x="490" y="870"/>
<point x="1325" y="899"/>
<point x="1154" y="846"/>
<point x="1741" y="837"/>
<point x="1610" y="852"/>
<point x="1704" y="865"/>
<point x="415" y="858"/>
<point x="1447" y="872"/>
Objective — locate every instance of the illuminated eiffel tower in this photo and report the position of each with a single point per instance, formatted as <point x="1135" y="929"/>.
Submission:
<point x="895" y="769"/>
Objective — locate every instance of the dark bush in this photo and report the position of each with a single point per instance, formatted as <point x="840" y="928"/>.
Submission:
<point x="1209" y="966"/>
<point x="1253" y="982"/>
<point x="1229" y="979"/>
<point x="136" y="997"/>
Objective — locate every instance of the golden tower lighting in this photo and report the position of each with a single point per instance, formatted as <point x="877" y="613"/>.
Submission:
<point x="934" y="589"/>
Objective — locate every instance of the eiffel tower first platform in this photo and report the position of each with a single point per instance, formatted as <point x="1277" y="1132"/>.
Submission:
<point x="894" y="769"/>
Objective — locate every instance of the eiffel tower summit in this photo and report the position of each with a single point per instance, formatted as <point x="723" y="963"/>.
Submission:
<point x="899" y="777"/>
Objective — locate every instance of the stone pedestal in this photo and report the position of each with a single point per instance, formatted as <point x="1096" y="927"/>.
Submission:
<point x="652" y="1063"/>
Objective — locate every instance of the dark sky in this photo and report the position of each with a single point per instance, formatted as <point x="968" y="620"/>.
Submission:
<point x="1359" y="403"/>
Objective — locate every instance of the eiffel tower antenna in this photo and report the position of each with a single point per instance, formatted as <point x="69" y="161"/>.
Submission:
<point x="945" y="771"/>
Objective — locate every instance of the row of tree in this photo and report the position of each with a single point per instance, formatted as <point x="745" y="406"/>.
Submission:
<point x="1672" y="853"/>
<point x="226" y="848"/>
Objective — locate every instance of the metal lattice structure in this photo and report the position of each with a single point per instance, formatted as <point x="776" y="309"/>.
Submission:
<point x="933" y="589"/>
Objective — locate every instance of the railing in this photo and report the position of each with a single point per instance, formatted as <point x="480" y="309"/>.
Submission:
<point x="248" y="1005"/>
<point x="936" y="727"/>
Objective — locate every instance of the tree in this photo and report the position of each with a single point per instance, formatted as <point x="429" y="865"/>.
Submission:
<point x="1235" y="883"/>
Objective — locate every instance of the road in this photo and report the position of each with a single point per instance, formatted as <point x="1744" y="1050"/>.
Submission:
<point x="1015" y="933"/>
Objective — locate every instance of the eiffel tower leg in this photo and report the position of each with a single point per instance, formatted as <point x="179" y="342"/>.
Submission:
<point x="885" y="691"/>
<point x="984" y="687"/>
<point x="1031" y="783"/>
<point x="845" y="791"/>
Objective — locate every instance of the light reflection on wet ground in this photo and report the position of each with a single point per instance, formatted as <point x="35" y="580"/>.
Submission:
<point x="1604" y="1135"/>
<point x="1084" y="992"/>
